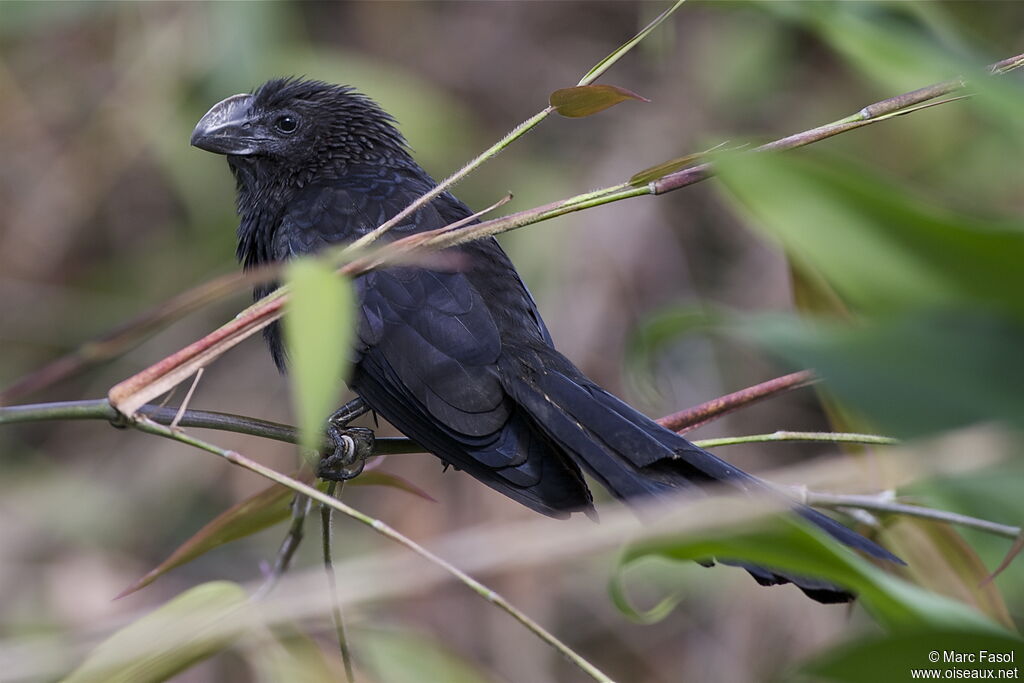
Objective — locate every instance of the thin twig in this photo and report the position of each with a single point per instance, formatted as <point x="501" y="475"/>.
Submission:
<point x="687" y="420"/>
<point x="101" y="410"/>
<point x="326" y="527"/>
<point x="290" y="544"/>
<point x="188" y="397"/>
<point x="884" y="503"/>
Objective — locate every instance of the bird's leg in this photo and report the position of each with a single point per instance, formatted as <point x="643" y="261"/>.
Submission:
<point x="351" y="445"/>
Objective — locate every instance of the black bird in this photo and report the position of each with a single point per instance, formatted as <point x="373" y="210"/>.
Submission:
<point x="461" y="362"/>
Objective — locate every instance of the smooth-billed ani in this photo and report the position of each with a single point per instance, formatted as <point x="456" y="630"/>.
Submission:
<point x="459" y="361"/>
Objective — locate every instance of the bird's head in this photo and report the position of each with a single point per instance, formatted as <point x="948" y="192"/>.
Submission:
<point x="299" y="124"/>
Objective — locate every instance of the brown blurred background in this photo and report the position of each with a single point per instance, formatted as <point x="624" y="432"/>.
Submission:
<point x="105" y="211"/>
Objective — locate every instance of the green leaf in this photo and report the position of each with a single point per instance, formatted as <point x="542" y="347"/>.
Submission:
<point x="617" y="54"/>
<point x="893" y="657"/>
<point x="296" y="657"/>
<point x="260" y="511"/>
<point x="788" y="544"/>
<point x="880" y="248"/>
<point x="167" y="641"/>
<point x="661" y="170"/>
<point x="256" y="513"/>
<point x="412" y="658"/>
<point x="584" y="100"/>
<point x="652" y="615"/>
<point x="913" y="373"/>
<point x="318" y="329"/>
<point x="939" y="559"/>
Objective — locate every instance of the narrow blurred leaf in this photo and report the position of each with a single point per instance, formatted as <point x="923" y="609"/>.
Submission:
<point x="617" y="54"/>
<point x="790" y="545"/>
<point x="412" y="658"/>
<point x="1011" y="555"/>
<point x="661" y="170"/>
<point x="294" y="656"/>
<point x="394" y="481"/>
<point x="893" y="657"/>
<point x="887" y="47"/>
<point x="939" y="559"/>
<point x="260" y="511"/>
<point x="813" y="294"/>
<point x="584" y="100"/>
<point x="880" y="248"/>
<point x="318" y="329"/>
<point x="167" y="641"/>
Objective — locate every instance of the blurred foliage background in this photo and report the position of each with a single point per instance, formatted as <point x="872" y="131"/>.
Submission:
<point x="105" y="211"/>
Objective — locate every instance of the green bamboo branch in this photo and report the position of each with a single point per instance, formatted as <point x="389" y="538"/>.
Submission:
<point x="101" y="410"/>
<point x="519" y="131"/>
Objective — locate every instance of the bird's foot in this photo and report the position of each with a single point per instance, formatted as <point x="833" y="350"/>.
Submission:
<point x="352" y="446"/>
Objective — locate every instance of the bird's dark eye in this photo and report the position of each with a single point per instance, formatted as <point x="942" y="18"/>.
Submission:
<point x="286" y="124"/>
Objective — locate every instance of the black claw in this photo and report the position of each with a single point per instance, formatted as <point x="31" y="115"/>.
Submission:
<point x="351" y="448"/>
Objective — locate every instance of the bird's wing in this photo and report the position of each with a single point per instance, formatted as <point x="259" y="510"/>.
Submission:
<point x="428" y="346"/>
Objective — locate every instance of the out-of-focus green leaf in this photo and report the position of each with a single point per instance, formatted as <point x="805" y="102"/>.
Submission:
<point x="812" y="294"/>
<point x="651" y="615"/>
<point x="883" y="45"/>
<point x="664" y="327"/>
<point x="914" y="373"/>
<point x="786" y="544"/>
<point x="412" y="658"/>
<point x="892" y="658"/>
<point x="658" y="331"/>
<point x="584" y="100"/>
<point x="992" y="493"/>
<point x="295" y="657"/>
<point x="318" y="329"/>
<point x="881" y="249"/>
<point x="1012" y="554"/>
<point x="255" y="513"/>
<point x="167" y="641"/>
<point x="939" y="559"/>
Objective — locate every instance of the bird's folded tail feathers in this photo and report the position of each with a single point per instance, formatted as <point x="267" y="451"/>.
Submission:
<point x="634" y="457"/>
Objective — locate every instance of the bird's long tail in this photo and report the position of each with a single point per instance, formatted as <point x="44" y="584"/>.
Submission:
<point x="633" y="456"/>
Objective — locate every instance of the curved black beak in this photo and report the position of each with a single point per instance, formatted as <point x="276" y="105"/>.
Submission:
<point x="226" y="128"/>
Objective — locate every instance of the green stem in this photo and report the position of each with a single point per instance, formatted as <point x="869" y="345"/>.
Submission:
<point x="823" y="437"/>
<point x="489" y="153"/>
<point x="884" y="504"/>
